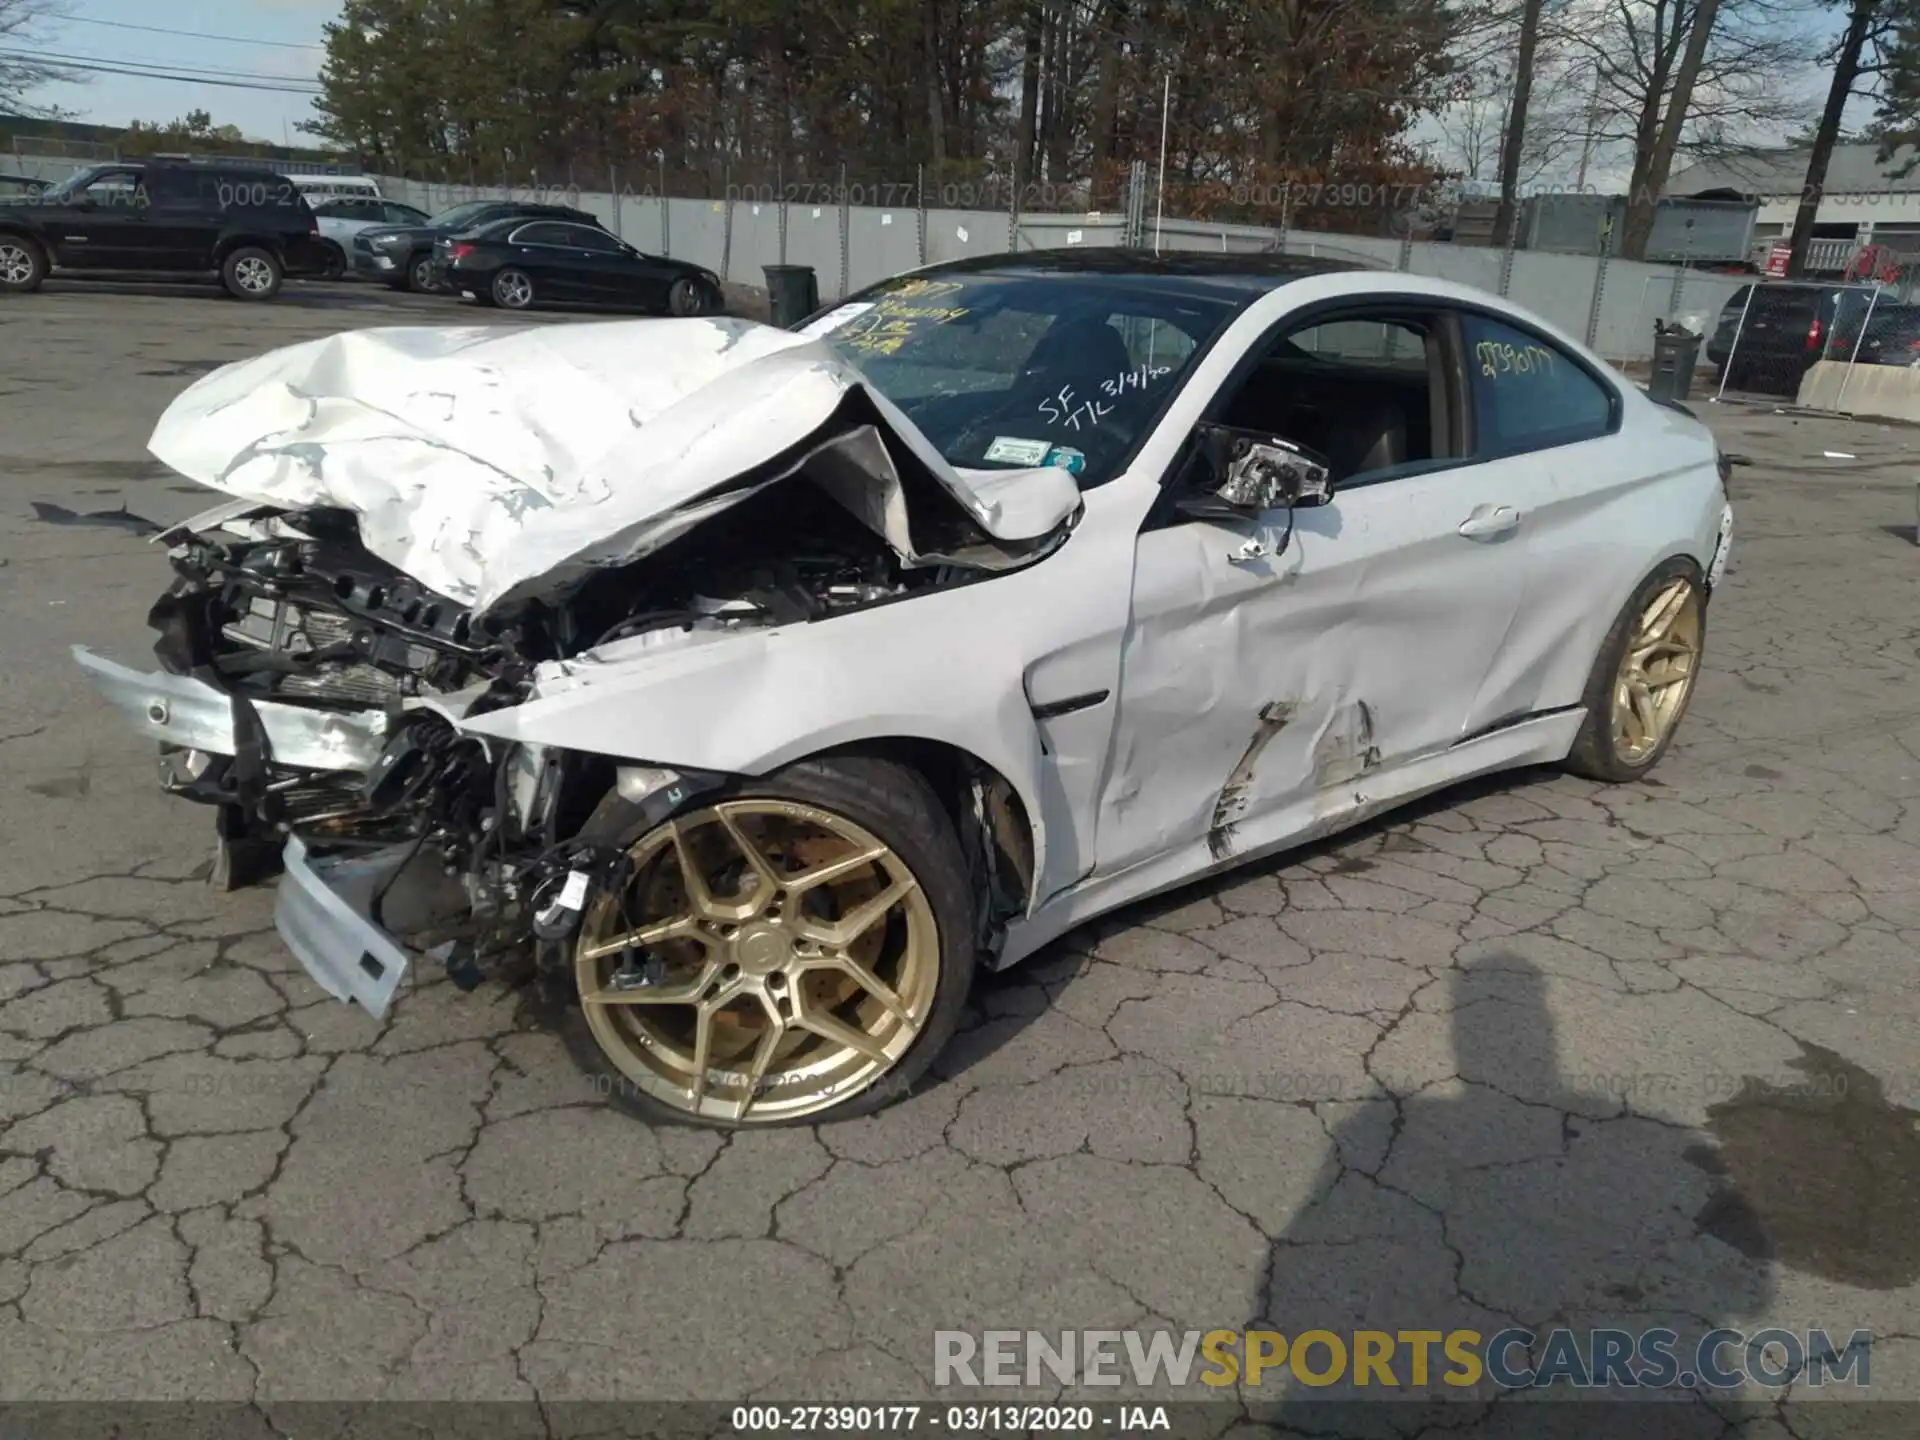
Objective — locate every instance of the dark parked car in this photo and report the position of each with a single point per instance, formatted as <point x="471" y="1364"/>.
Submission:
<point x="520" y="263"/>
<point x="247" y="225"/>
<point x="1892" y="337"/>
<point x="1782" y="331"/>
<point x="402" y="256"/>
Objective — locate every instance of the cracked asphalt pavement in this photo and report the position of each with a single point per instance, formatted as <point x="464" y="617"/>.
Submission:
<point x="1535" y="1052"/>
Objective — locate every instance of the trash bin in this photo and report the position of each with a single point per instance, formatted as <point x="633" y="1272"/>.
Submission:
<point x="1675" y="350"/>
<point x="792" y="294"/>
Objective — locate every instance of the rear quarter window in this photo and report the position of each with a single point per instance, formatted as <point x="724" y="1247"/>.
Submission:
<point x="1528" y="394"/>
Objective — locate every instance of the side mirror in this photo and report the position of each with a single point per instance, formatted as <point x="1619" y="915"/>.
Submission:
<point x="1246" y="473"/>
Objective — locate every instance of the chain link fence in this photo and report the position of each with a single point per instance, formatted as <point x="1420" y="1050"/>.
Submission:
<point x="855" y="229"/>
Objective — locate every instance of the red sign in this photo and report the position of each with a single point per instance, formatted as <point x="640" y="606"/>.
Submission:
<point x="1777" y="261"/>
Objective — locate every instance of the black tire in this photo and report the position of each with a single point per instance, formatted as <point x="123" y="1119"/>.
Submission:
<point x="897" y="805"/>
<point x="1595" y="754"/>
<point x="513" y="289"/>
<point x="23" y="264"/>
<point x="688" y="298"/>
<point x="417" y="279"/>
<point x="252" y="273"/>
<point x="334" y="265"/>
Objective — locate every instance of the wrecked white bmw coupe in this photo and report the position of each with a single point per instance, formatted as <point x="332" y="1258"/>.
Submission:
<point x="758" y="687"/>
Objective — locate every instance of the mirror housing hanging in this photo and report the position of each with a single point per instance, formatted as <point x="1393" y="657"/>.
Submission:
<point x="1247" y="473"/>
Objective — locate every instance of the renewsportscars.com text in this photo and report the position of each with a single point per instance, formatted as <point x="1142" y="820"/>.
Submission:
<point x="1511" y="1359"/>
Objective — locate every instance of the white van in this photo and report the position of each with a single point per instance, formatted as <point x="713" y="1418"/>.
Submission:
<point x="335" y="187"/>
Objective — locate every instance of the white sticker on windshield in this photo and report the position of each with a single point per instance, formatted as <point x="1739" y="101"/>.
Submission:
<point x="1011" y="450"/>
<point x="1074" y="237"/>
<point x="961" y="231"/>
<point x="834" y="319"/>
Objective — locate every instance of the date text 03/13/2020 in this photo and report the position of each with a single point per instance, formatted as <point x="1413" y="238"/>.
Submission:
<point x="951" y="1419"/>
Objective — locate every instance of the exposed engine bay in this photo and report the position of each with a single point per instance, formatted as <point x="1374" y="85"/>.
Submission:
<point x="290" y="609"/>
<point x="428" y="526"/>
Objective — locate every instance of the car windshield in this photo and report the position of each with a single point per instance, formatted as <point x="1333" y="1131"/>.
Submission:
<point x="1009" y="371"/>
<point x="460" y="214"/>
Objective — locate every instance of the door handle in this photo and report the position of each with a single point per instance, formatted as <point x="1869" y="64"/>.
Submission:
<point x="1490" y="520"/>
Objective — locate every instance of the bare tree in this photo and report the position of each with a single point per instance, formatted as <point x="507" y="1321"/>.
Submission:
<point x="1466" y="135"/>
<point x="1514" y="138"/>
<point x="23" y="23"/>
<point x="1869" y="22"/>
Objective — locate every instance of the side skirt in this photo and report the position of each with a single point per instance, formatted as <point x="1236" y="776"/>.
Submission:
<point x="1538" y="740"/>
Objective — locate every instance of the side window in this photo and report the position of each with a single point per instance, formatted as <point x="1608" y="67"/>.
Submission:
<point x="1362" y="342"/>
<point x="404" y="215"/>
<point x="540" y="234"/>
<point x="172" y="189"/>
<point x="1360" y="390"/>
<point x="590" y="239"/>
<point x="117" y="188"/>
<point x="1527" y="394"/>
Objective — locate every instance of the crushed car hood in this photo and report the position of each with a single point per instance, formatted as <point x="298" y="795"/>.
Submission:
<point x="493" y="463"/>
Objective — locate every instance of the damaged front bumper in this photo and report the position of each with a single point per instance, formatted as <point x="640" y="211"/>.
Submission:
<point x="323" y="911"/>
<point x="324" y="905"/>
<point x="189" y="714"/>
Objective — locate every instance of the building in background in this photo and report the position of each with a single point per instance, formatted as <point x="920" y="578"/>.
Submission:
<point x="1715" y="232"/>
<point x="1863" y="202"/>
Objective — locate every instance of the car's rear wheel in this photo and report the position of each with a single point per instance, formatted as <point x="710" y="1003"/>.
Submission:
<point x="688" y="298"/>
<point x="250" y="273"/>
<point x="512" y="290"/>
<point x="23" y="264"/>
<point x="1644" y="676"/>
<point x="799" y="950"/>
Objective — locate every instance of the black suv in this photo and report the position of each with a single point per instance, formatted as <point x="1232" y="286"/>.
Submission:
<point x="247" y="225"/>
<point x="1781" y="329"/>
<point x="402" y="256"/>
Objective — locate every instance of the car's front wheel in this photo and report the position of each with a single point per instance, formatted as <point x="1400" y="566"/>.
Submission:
<point x="1644" y="676"/>
<point x="512" y="290"/>
<point x="250" y="273"/>
<point x="797" y="950"/>
<point x="23" y="264"/>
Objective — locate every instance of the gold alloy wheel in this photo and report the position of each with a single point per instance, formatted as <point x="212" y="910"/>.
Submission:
<point x="1657" y="671"/>
<point x="768" y="959"/>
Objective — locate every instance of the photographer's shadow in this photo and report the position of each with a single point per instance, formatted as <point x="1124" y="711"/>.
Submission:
<point x="1502" y="1198"/>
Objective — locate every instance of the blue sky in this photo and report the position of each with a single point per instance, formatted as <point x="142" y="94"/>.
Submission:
<point x="96" y="30"/>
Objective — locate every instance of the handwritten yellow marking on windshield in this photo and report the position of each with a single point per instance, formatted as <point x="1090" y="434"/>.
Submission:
<point x="1497" y="359"/>
<point x="899" y="315"/>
